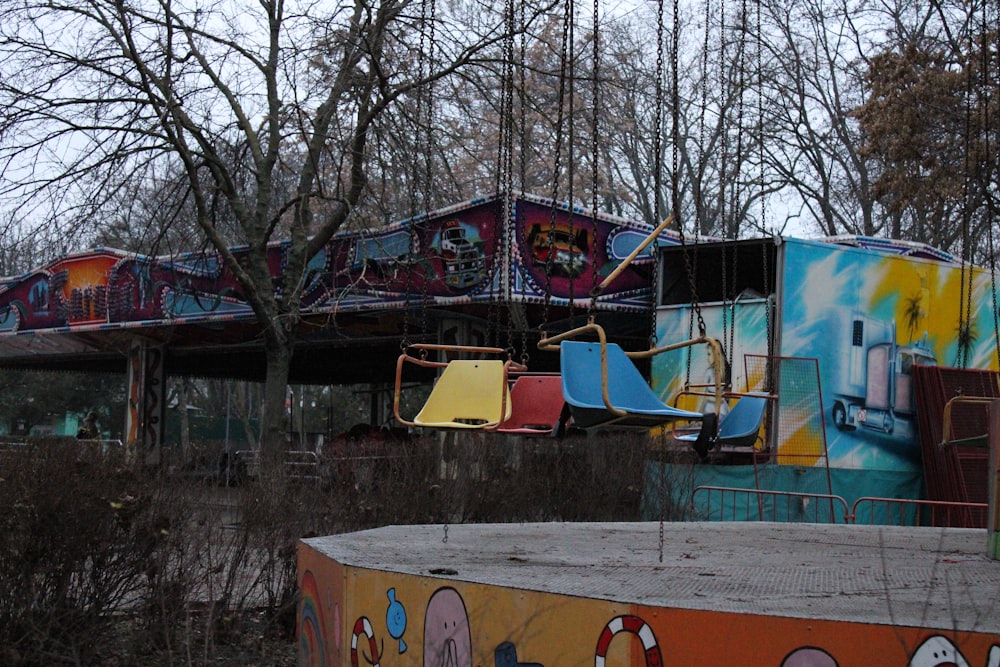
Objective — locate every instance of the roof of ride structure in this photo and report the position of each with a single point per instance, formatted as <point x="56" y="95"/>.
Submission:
<point x="366" y="288"/>
<point x="523" y="267"/>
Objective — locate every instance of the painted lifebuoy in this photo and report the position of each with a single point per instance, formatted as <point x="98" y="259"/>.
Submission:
<point x="363" y="626"/>
<point x="636" y="626"/>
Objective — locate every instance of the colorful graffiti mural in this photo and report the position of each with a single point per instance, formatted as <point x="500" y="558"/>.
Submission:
<point x="867" y="314"/>
<point x="462" y="254"/>
<point x="470" y="624"/>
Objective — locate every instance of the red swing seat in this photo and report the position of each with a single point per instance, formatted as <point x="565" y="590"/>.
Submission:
<point x="536" y="406"/>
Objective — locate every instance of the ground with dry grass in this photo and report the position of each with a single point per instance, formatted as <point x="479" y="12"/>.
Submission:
<point x="104" y="564"/>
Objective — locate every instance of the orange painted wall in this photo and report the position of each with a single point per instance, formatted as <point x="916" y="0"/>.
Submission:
<point x="402" y="620"/>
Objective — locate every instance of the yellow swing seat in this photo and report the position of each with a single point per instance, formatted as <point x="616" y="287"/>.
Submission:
<point x="470" y="394"/>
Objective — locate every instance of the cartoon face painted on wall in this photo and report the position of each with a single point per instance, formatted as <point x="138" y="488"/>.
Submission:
<point x="447" y="637"/>
<point x="395" y="619"/>
<point x="938" y="651"/>
<point x="809" y="656"/>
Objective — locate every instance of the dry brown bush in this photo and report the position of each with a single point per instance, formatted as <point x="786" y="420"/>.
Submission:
<point x="103" y="565"/>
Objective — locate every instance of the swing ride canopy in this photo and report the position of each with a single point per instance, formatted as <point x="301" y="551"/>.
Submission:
<point x="471" y="260"/>
<point x="527" y="263"/>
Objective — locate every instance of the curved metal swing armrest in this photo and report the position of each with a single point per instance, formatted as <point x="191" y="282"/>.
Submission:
<point x="551" y="343"/>
<point x="755" y="394"/>
<point x="692" y="396"/>
<point x="398" y="388"/>
<point x="726" y="396"/>
<point x="511" y="366"/>
<point x="653" y="351"/>
<point x="946" y="420"/>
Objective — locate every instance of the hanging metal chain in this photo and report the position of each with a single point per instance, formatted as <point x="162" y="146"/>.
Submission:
<point x="763" y="201"/>
<point x="993" y="284"/>
<point x="675" y="183"/>
<point x="735" y="191"/>
<point x="675" y="112"/>
<point x="658" y="119"/>
<point x="965" y="290"/>
<point x="429" y="146"/>
<point x="522" y="99"/>
<point x="722" y="197"/>
<point x="420" y="140"/>
<point x="430" y="110"/>
<point x="663" y="504"/>
<point x="595" y="147"/>
<point x="657" y="171"/>
<point x="725" y="290"/>
<point x="699" y="205"/>
<point x="674" y="202"/>
<point x="503" y="253"/>
<point x="571" y="140"/>
<point x="987" y="164"/>
<point x="768" y="381"/>
<point x="760" y="120"/>
<point x="556" y="165"/>
<point x="728" y="353"/>
<point x="522" y="165"/>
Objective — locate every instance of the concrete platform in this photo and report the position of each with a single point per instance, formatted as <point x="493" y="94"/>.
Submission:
<point x="724" y="593"/>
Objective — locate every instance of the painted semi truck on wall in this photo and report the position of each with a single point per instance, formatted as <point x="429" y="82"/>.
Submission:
<point x="876" y="387"/>
<point x="463" y="260"/>
<point x="865" y="311"/>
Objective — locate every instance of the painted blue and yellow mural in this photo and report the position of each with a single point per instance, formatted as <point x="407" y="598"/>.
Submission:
<point x="867" y="315"/>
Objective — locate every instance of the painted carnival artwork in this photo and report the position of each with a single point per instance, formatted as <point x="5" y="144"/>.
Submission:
<point x="867" y="316"/>
<point x="468" y="625"/>
<point x="462" y="254"/>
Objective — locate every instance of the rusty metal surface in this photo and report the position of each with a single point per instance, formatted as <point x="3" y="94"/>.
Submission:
<point x="954" y="467"/>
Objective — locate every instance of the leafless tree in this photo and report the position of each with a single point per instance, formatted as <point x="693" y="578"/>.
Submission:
<point x="265" y="111"/>
<point x="930" y="123"/>
<point x="812" y="63"/>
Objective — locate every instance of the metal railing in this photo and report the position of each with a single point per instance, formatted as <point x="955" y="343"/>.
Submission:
<point x="735" y="504"/>
<point x="907" y="512"/>
<point x="721" y="503"/>
<point x="302" y="464"/>
<point x="96" y="446"/>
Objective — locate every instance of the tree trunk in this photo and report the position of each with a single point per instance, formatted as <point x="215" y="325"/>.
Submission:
<point x="182" y="400"/>
<point x="274" y="430"/>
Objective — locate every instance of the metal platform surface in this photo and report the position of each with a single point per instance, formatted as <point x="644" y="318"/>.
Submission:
<point x="919" y="577"/>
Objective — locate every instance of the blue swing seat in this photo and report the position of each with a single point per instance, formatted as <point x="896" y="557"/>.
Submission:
<point x="738" y="429"/>
<point x="631" y="404"/>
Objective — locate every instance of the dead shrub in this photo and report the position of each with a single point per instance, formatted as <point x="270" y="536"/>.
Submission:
<point x="101" y="565"/>
<point x="76" y="540"/>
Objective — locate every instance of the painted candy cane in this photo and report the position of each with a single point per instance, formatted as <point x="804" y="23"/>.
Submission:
<point x="636" y="626"/>
<point x="363" y="626"/>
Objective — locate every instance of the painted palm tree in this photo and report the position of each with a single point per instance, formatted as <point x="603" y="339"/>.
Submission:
<point x="913" y="311"/>
<point x="966" y="341"/>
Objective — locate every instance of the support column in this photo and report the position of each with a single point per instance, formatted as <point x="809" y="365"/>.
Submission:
<point x="144" y="420"/>
<point x="993" y="517"/>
